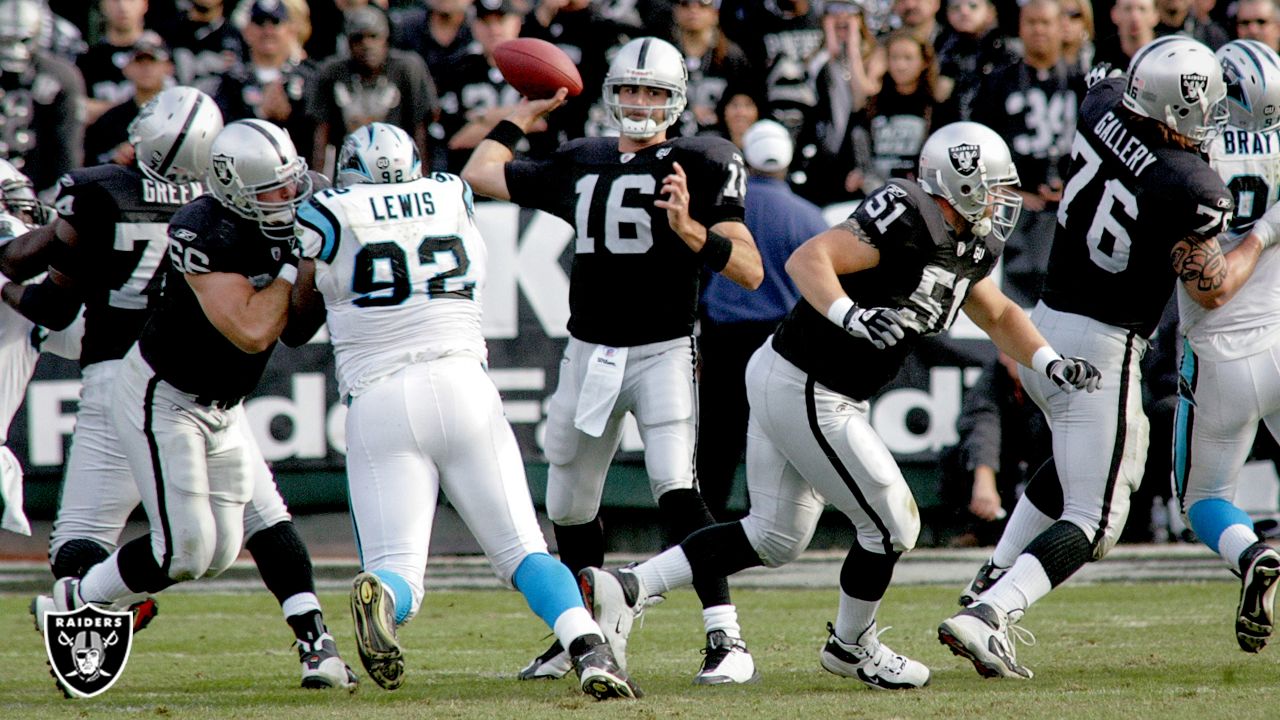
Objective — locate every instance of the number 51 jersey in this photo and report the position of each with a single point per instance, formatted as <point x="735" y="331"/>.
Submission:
<point x="1130" y="196"/>
<point x="400" y="267"/>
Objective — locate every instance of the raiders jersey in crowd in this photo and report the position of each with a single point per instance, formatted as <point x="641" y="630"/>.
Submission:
<point x="1129" y="197"/>
<point x="472" y="86"/>
<point x="925" y="273"/>
<point x="242" y="90"/>
<point x="42" y="119"/>
<point x="202" y="52"/>
<point x="634" y="281"/>
<point x="120" y="218"/>
<point x="179" y="341"/>
<point x="1035" y="112"/>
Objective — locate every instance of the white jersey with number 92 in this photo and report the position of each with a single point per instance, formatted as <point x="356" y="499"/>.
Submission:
<point x="400" y="267"/>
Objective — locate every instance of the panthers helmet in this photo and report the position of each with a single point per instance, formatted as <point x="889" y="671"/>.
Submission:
<point x="20" y="24"/>
<point x="378" y="153"/>
<point x="18" y="196"/>
<point x="1252" y="73"/>
<point x="250" y="158"/>
<point x="1178" y="82"/>
<point x="970" y="167"/>
<point x="647" y="62"/>
<point x="172" y="134"/>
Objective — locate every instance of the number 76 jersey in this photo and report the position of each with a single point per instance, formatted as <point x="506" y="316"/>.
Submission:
<point x="1129" y="197"/>
<point x="400" y="267"/>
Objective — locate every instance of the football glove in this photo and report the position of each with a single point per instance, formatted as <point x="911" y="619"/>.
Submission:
<point x="880" y="326"/>
<point x="1073" y="373"/>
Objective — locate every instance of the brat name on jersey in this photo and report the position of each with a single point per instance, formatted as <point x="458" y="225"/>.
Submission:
<point x="1128" y="149"/>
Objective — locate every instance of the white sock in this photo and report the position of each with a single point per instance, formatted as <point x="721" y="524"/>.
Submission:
<point x="573" y="624"/>
<point x="1025" y="524"/>
<point x="854" y="617"/>
<point x="103" y="585"/>
<point x="665" y="571"/>
<point x="1025" y="583"/>
<point x="722" y="617"/>
<point x="1234" y="541"/>
<point x="300" y="603"/>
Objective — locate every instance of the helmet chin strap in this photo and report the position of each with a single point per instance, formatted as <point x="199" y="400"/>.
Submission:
<point x="982" y="227"/>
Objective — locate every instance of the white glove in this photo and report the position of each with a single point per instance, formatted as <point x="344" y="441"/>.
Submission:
<point x="1073" y="373"/>
<point x="879" y="326"/>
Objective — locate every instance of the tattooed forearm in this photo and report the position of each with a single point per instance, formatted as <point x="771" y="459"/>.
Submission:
<point x="852" y="227"/>
<point x="1200" y="262"/>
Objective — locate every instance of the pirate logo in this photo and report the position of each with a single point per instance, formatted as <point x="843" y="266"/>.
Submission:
<point x="88" y="648"/>
<point x="964" y="158"/>
<point x="1193" y="86"/>
<point x="223" y="168"/>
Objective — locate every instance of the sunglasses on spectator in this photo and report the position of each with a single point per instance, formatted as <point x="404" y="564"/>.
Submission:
<point x="1242" y="22"/>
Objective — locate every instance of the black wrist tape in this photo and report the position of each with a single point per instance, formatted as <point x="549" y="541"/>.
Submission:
<point x="716" y="251"/>
<point x="506" y="133"/>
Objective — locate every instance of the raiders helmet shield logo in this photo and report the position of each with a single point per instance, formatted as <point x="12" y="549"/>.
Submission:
<point x="964" y="158"/>
<point x="223" y="169"/>
<point x="1193" y="86"/>
<point x="88" y="648"/>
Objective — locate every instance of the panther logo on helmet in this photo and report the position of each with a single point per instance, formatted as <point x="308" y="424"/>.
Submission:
<point x="1193" y="86"/>
<point x="223" y="169"/>
<point x="964" y="158"/>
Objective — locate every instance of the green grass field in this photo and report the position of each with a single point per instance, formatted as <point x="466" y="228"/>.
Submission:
<point x="1103" y="651"/>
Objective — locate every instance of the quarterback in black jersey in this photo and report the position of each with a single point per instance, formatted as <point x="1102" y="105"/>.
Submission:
<point x="1141" y="210"/>
<point x="650" y="214"/>
<point x="175" y="421"/>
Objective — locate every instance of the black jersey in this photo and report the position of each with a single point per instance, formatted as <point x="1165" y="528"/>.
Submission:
<point x="471" y="86"/>
<point x="1035" y="112"/>
<point x="120" y="218"/>
<point x="1129" y="198"/>
<point x="634" y="281"/>
<point x="925" y="273"/>
<point x="179" y="341"/>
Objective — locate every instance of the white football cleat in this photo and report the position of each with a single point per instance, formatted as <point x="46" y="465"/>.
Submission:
<point x="980" y="634"/>
<point x="553" y="664"/>
<point x="612" y="598"/>
<point x="872" y="662"/>
<point x="728" y="661"/>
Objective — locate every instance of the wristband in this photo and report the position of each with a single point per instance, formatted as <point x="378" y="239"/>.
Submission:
<point x="715" y="251"/>
<point x="507" y="134"/>
<point x="840" y="309"/>
<point x="1043" y="358"/>
<point x="288" y="272"/>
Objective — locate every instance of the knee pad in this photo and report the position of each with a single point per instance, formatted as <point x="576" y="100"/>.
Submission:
<point x="74" y="557"/>
<point x="1062" y="549"/>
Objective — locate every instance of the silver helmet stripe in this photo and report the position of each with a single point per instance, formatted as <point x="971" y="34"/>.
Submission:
<point x="182" y="136"/>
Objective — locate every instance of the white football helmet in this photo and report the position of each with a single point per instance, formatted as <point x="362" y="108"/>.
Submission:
<point x="20" y="24"/>
<point x="18" y="196"/>
<point x="172" y="134"/>
<point x="250" y="158"/>
<point x="647" y="62"/>
<point x="969" y="166"/>
<point x="1252" y="73"/>
<point x="378" y="153"/>
<point x="1178" y="82"/>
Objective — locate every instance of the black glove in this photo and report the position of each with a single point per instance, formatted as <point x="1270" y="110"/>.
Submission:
<point x="1073" y="373"/>
<point x="880" y="326"/>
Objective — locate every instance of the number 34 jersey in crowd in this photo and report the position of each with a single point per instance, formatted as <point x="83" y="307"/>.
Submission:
<point x="400" y="267"/>
<point x="1129" y="198"/>
<point x="634" y="281"/>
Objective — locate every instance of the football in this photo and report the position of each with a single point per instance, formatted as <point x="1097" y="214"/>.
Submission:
<point x="537" y="68"/>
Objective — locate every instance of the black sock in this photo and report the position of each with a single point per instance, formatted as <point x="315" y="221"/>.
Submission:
<point x="76" y="556"/>
<point x="139" y="569"/>
<point x="1062" y="550"/>
<point x="580" y="546"/>
<point x="583" y="643"/>
<point x="865" y="575"/>
<point x="685" y="513"/>
<point x="282" y="560"/>
<point x="715" y="553"/>
<point x="308" y="626"/>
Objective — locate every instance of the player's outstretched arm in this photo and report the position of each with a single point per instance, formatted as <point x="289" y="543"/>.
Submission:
<point x="29" y="254"/>
<point x="815" y="266"/>
<point x="486" y="168"/>
<point x="251" y="319"/>
<point x="306" y="307"/>
<point x="53" y="302"/>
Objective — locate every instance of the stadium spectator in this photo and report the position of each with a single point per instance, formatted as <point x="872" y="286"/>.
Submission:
<point x="148" y="70"/>
<point x="970" y="48"/>
<point x="271" y="84"/>
<point x="1135" y="22"/>
<point x="376" y="84"/>
<point x="41" y="99"/>
<point x="1259" y="20"/>
<point x="737" y="111"/>
<point x="1078" y="34"/>
<point x="920" y="18"/>
<point x="1176" y="17"/>
<point x="779" y="39"/>
<point x="736" y="321"/>
<point x="102" y="65"/>
<point x="715" y="62"/>
<point x="901" y="114"/>
<point x="204" y="44"/>
<point x="437" y="30"/>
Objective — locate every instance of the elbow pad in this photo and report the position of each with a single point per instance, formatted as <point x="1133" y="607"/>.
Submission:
<point x="48" y="305"/>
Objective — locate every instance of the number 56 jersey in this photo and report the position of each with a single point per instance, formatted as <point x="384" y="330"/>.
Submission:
<point x="400" y="267"/>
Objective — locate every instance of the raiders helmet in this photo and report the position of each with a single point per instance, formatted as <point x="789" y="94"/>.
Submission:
<point x="378" y="153"/>
<point x="250" y="158"/>
<point x="172" y="134"/>
<point x="1252" y="73"/>
<point x="1178" y="82"/>
<point x="969" y="166"/>
<point x="18" y="196"/>
<point x="647" y="62"/>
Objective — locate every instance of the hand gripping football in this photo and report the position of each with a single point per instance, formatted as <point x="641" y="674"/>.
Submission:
<point x="537" y="68"/>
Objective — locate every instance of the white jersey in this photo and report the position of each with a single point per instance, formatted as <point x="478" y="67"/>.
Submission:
<point x="17" y="354"/>
<point x="1249" y="164"/>
<point x="400" y="267"/>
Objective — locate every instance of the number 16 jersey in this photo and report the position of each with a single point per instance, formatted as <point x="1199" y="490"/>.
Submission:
<point x="1130" y="196"/>
<point x="400" y="267"/>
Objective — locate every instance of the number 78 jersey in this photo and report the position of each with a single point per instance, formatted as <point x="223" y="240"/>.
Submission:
<point x="1129" y="198"/>
<point x="400" y="267"/>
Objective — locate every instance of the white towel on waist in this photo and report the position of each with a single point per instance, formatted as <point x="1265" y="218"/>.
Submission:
<point x="14" y="519"/>
<point x="600" y="387"/>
